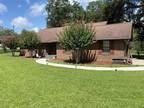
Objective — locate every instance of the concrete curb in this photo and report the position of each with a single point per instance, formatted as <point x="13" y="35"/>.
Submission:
<point x="44" y="62"/>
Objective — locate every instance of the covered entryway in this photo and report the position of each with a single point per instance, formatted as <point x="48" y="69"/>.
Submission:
<point x="51" y="49"/>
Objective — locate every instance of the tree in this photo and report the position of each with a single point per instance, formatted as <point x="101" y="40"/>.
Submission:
<point x="29" y="40"/>
<point x="136" y="15"/>
<point x="61" y="12"/>
<point x="114" y="11"/>
<point x="11" y="42"/>
<point x="77" y="12"/>
<point x="94" y="11"/>
<point x="58" y="12"/>
<point x="6" y="32"/>
<point x="77" y="37"/>
<point x="139" y="41"/>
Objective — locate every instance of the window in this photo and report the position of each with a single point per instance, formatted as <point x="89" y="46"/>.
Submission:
<point x="106" y="46"/>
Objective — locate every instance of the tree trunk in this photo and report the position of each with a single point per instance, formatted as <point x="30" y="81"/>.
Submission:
<point x="4" y="48"/>
<point x="13" y="53"/>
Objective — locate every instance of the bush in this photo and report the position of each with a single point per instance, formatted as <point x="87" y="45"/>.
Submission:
<point x="29" y="40"/>
<point x="138" y="56"/>
<point x="11" y="42"/>
<point x="77" y="37"/>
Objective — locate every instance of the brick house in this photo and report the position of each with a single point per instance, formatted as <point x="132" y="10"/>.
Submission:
<point x="111" y="41"/>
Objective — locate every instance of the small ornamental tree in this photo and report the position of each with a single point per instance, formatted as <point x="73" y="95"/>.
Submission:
<point x="12" y="43"/>
<point x="29" y="40"/>
<point x="77" y="37"/>
<point x="5" y="33"/>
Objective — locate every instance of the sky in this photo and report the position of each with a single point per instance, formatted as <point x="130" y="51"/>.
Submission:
<point x="25" y="14"/>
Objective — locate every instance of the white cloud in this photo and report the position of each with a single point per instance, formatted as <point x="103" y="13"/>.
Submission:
<point x="82" y="1"/>
<point x="3" y="8"/>
<point x="36" y="29"/>
<point x="21" y="22"/>
<point x="72" y="1"/>
<point x="1" y="22"/>
<point x="37" y="9"/>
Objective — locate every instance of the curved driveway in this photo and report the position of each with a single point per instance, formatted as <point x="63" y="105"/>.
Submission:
<point x="44" y="62"/>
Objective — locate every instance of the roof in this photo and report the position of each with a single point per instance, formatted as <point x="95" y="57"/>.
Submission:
<point x="3" y="38"/>
<point x="120" y="31"/>
<point x="50" y="35"/>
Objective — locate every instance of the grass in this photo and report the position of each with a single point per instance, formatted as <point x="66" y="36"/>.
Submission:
<point x="25" y="84"/>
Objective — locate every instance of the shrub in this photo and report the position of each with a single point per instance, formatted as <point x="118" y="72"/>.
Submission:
<point x="77" y="37"/>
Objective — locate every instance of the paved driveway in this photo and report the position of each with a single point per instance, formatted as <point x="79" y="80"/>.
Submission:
<point x="136" y="68"/>
<point x="138" y="62"/>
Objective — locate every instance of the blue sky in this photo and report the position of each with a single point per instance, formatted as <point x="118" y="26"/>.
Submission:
<point x="28" y="14"/>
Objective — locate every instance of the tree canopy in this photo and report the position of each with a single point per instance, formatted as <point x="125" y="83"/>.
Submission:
<point x="29" y="40"/>
<point x="7" y="32"/>
<point x="77" y="37"/>
<point x="61" y="12"/>
<point x="94" y="11"/>
<point x="123" y="10"/>
<point x="12" y="43"/>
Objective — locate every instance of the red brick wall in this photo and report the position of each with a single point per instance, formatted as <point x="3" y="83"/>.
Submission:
<point x="117" y="49"/>
<point x="62" y="54"/>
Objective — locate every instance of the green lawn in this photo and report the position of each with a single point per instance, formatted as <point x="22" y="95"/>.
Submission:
<point x="25" y="84"/>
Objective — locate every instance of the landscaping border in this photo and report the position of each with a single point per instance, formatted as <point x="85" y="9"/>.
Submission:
<point x="44" y="62"/>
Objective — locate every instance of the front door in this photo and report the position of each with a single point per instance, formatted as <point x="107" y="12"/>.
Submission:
<point x="52" y="49"/>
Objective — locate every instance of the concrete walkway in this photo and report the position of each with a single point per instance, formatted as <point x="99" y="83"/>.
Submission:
<point x="138" y="62"/>
<point x="44" y="62"/>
